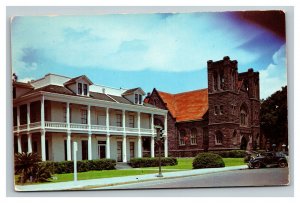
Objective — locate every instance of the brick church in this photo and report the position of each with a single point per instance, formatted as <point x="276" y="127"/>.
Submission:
<point x="224" y="116"/>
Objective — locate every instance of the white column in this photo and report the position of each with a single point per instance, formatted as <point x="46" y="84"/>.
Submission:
<point x="18" y="117"/>
<point x="152" y="147"/>
<point x="90" y="146"/>
<point x="68" y="116"/>
<point x="28" y="116"/>
<point x="89" y="117"/>
<point x="69" y="146"/>
<point x="140" y="147"/>
<point x="107" y="121"/>
<point x="43" y="112"/>
<point x="124" y="148"/>
<point x="139" y="122"/>
<point x="166" y="135"/>
<point x="29" y="141"/>
<point x="152" y="123"/>
<point x="19" y="143"/>
<point x="124" y="120"/>
<point x="43" y="144"/>
<point x="107" y="146"/>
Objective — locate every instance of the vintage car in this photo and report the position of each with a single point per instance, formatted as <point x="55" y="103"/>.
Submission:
<point x="268" y="159"/>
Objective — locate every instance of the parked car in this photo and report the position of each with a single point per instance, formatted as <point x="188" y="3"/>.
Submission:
<point x="268" y="159"/>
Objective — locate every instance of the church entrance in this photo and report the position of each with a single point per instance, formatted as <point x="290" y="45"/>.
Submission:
<point x="244" y="143"/>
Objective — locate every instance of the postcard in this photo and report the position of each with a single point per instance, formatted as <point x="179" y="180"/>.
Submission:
<point x="157" y="100"/>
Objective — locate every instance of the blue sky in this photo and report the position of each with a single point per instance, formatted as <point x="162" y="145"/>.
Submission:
<point x="165" y="51"/>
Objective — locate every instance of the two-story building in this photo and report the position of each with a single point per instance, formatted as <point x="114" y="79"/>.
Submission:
<point x="52" y="112"/>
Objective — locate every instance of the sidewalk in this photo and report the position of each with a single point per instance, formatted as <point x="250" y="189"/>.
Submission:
<point x="93" y="183"/>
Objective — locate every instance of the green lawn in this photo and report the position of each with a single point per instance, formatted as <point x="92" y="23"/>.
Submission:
<point x="183" y="164"/>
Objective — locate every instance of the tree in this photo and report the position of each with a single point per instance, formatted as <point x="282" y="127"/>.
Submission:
<point x="273" y="117"/>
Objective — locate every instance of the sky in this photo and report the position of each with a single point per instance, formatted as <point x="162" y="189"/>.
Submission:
<point x="167" y="51"/>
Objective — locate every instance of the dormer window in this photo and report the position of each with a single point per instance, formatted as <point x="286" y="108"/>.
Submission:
<point x="138" y="99"/>
<point x="85" y="89"/>
<point x="79" y="88"/>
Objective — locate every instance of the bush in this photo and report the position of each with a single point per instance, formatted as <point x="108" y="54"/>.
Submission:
<point x="208" y="160"/>
<point x="152" y="162"/>
<point x="231" y="154"/>
<point x="82" y="166"/>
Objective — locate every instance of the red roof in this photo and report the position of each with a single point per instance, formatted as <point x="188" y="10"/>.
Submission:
<point x="186" y="106"/>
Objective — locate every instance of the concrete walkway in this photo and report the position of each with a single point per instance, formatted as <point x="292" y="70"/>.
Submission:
<point x="103" y="182"/>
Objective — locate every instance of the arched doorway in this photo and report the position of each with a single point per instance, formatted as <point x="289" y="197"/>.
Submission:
<point x="244" y="143"/>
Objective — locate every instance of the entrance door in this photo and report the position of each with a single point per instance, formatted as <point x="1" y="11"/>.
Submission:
<point x="244" y="143"/>
<point x="119" y="151"/>
<point x="131" y="149"/>
<point x="101" y="149"/>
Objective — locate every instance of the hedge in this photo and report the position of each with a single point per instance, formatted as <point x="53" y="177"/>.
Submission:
<point x="231" y="153"/>
<point x="82" y="166"/>
<point x="208" y="160"/>
<point x="152" y="162"/>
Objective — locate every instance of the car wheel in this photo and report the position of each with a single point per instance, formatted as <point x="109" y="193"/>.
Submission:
<point x="282" y="164"/>
<point x="256" y="165"/>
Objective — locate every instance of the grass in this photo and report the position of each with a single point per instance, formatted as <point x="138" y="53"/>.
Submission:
<point x="183" y="164"/>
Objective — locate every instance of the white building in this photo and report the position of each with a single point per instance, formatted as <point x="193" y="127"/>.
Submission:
<point x="52" y="112"/>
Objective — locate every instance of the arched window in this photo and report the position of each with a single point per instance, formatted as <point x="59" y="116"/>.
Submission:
<point x="215" y="80"/>
<point x="219" y="138"/>
<point x="222" y="80"/>
<point x="194" y="136"/>
<point x="244" y="115"/>
<point x="234" y="137"/>
<point x="181" y="137"/>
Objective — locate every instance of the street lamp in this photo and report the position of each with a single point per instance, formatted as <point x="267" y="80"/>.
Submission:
<point x="159" y="137"/>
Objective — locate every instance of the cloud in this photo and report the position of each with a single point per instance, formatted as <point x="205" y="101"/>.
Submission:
<point x="275" y="75"/>
<point x="174" y="42"/>
<point x="25" y="79"/>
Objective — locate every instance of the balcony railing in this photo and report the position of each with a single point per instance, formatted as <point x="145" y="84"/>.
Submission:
<point x="79" y="126"/>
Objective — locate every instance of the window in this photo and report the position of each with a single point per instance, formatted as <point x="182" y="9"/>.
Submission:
<point x="79" y="88"/>
<point x="182" y="135"/>
<point x="131" y="121"/>
<point x="84" y="149"/>
<point x="244" y="115"/>
<point x="219" y="138"/>
<point x="83" y="116"/>
<point x="136" y="100"/>
<point x="65" y="114"/>
<point x="234" y="137"/>
<point x="140" y="99"/>
<point x="131" y="149"/>
<point x="233" y="80"/>
<point x="85" y="89"/>
<point x="194" y="136"/>
<point x="221" y="109"/>
<point x="222" y="80"/>
<point x="216" y="110"/>
<point x="215" y="81"/>
<point x="119" y="120"/>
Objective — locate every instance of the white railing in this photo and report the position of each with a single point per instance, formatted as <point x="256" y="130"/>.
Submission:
<point x="23" y="127"/>
<point x="98" y="127"/>
<point x="79" y="126"/>
<point x="146" y="130"/>
<point x="35" y="125"/>
<point x="116" y="128"/>
<point x="133" y="130"/>
<point x="50" y="124"/>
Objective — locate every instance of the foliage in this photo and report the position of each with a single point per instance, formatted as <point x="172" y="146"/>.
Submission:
<point x="28" y="168"/>
<point x="273" y="117"/>
<point x="208" y="160"/>
<point x="231" y="153"/>
<point x="152" y="162"/>
<point x="82" y="166"/>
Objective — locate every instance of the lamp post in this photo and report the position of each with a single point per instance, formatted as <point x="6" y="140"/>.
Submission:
<point x="159" y="137"/>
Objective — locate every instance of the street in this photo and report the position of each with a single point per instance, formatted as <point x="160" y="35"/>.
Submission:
<point x="247" y="177"/>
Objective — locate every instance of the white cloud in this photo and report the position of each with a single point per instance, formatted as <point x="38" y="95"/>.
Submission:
<point x="275" y="75"/>
<point x="177" y="43"/>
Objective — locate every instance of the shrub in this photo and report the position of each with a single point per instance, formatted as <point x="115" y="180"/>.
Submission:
<point x="40" y="173"/>
<point x="152" y="162"/>
<point x="208" y="160"/>
<point x="82" y="166"/>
